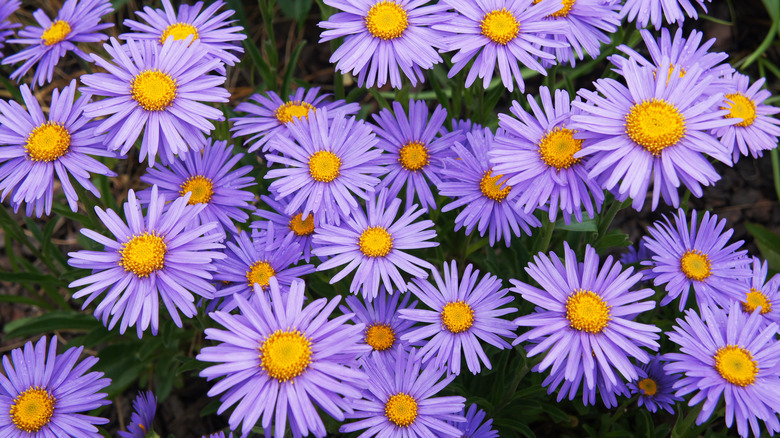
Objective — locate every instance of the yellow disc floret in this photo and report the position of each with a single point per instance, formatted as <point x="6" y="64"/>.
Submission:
<point x="736" y="365"/>
<point x="655" y="124"/>
<point x="375" y="242"/>
<point x="302" y="227"/>
<point x="413" y="156"/>
<point x="695" y="265"/>
<point x="293" y="110"/>
<point x="491" y="188"/>
<point x="380" y="336"/>
<point x="649" y="386"/>
<point x="143" y="254"/>
<point x="387" y="20"/>
<point x="324" y="166"/>
<point x="457" y="316"/>
<point x="285" y="354"/>
<point x="755" y="299"/>
<point x="260" y="274"/>
<point x="201" y="187"/>
<point x="153" y="90"/>
<point x="500" y="26"/>
<point x="558" y="147"/>
<point x="180" y="31"/>
<point x="47" y="142"/>
<point x="740" y="107"/>
<point x="587" y="311"/>
<point x="58" y="31"/>
<point x="401" y="409"/>
<point x="563" y="11"/>
<point x="32" y="409"/>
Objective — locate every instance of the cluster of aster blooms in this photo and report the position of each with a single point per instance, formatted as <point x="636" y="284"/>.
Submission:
<point x="351" y="194"/>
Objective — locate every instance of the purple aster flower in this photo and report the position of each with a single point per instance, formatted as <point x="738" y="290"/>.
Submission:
<point x="219" y="435"/>
<point x="758" y="292"/>
<point x="414" y="153"/>
<point x="655" y="129"/>
<point x="586" y="22"/>
<point x="463" y="313"/>
<point x="374" y="243"/>
<point x="294" y="224"/>
<point x="383" y="36"/>
<point x="584" y="319"/>
<point x="654" y="11"/>
<point x="209" y="176"/>
<point x="758" y="129"/>
<point x="729" y="355"/>
<point x="76" y="22"/>
<point x="305" y="359"/>
<point x="140" y="425"/>
<point x="250" y="263"/>
<point x="329" y="162"/>
<point x="474" y="427"/>
<point x="635" y="255"/>
<point x="537" y="152"/>
<point x="271" y="116"/>
<point x="158" y="90"/>
<point x="400" y="399"/>
<point x="384" y="327"/>
<point x="216" y="35"/>
<point x="606" y="389"/>
<point x="654" y="387"/>
<point x="45" y="394"/>
<point x="7" y="8"/>
<point x="698" y="256"/>
<point x="503" y="32"/>
<point x="34" y="147"/>
<point x="150" y="258"/>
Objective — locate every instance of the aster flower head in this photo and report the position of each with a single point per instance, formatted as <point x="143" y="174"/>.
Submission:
<point x="463" y="313"/>
<point x="414" y="153"/>
<point x="373" y="244"/>
<point x="385" y="328"/>
<point x="697" y="255"/>
<point x="209" y="175"/>
<point x="77" y="21"/>
<point x="45" y="394"/>
<point x="7" y="8"/>
<point x="732" y="356"/>
<point x="474" y="427"/>
<point x="655" y="129"/>
<point x="328" y="162"/>
<point x="506" y="32"/>
<point x="158" y="90"/>
<point x="269" y="115"/>
<point x="584" y="320"/>
<point x="302" y="230"/>
<point x="152" y="257"/>
<point x="382" y="37"/>
<point x="400" y="399"/>
<point x="35" y="147"/>
<point x="635" y="254"/>
<point x="215" y="32"/>
<point x="654" y="388"/>
<point x="758" y="292"/>
<point x="305" y="360"/>
<point x="537" y="152"/>
<point x="144" y="407"/>
<point x="654" y="11"/>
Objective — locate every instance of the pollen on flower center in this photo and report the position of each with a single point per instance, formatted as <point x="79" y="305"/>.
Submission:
<point x="401" y="409"/>
<point x="375" y="242"/>
<point x="293" y="110"/>
<point x="587" y="311"/>
<point x="380" y="337"/>
<point x="740" y="107"/>
<point x="413" y="156"/>
<point x="260" y="274"/>
<point x="180" y="31"/>
<point x="285" y="354"/>
<point x="655" y="125"/>
<point x="48" y="142"/>
<point x="58" y="31"/>
<point x="32" y="409"/>
<point x="201" y="187"/>
<point x="301" y="227"/>
<point x="736" y="365"/>
<point x="457" y="316"/>
<point x="153" y="90"/>
<point x="143" y="254"/>
<point x="324" y="166"/>
<point x="491" y="188"/>
<point x="649" y="386"/>
<point x="500" y="26"/>
<point x="558" y="147"/>
<point x="695" y="265"/>
<point x="387" y="20"/>
<point x="755" y="299"/>
<point x="563" y="11"/>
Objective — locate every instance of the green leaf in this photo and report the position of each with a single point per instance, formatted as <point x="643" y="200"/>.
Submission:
<point x="515" y="425"/>
<point x="588" y="225"/>
<point x="49" y="322"/>
<point x="16" y="277"/>
<point x="295" y="9"/>
<point x="768" y="243"/>
<point x="25" y="300"/>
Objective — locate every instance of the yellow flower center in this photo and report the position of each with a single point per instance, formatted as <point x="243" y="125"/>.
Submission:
<point x="649" y="386"/>
<point x="736" y="365"/>
<point x="413" y="156"/>
<point x="401" y="409"/>
<point x="491" y="188"/>
<point x="755" y="299"/>
<point x="375" y="242"/>
<point x="380" y="337"/>
<point x="293" y="110"/>
<point x="587" y="312"/>
<point x="180" y="31"/>
<point x="500" y="26"/>
<point x="300" y="227"/>
<point x="47" y="142"/>
<point x="740" y="107"/>
<point x="387" y="20"/>
<point x="695" y="265"/>
<point x="260" y="274"/>
<point x="57" y="32"/>
<point x="324" y="166"/>
<point x="457" y="316"/>
<point x="558" y="147"/>
<point x="143" y="254"/>
<point x="201" y="187"/>
<point x="655" y="125"/>
<point x="32" y="409"/>
<point x="563" y="11"/>
<point x="285" y="354"/>
<point x="153" y="90"/>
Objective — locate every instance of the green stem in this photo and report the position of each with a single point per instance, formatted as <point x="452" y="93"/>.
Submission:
<point x="545" y="236"/>
<point x="770" y="36"/>
<point x="776" y="170"/>
<point x="609" y="216"/>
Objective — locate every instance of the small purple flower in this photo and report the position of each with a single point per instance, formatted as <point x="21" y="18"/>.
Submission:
<point x="7" y="8"/>
<point x="219" y="435"/>
<point x="140" y="425"/>
<point x="302" y="230"/>
<point x="758" y="292"/>
<point x="474" y="427"/>
<point x="654" y="11"/>
<point x="586" y="22"/>
<point x="385" y="328"/>
<point x="654" y="388"/>
<point x="635" y="255"/>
